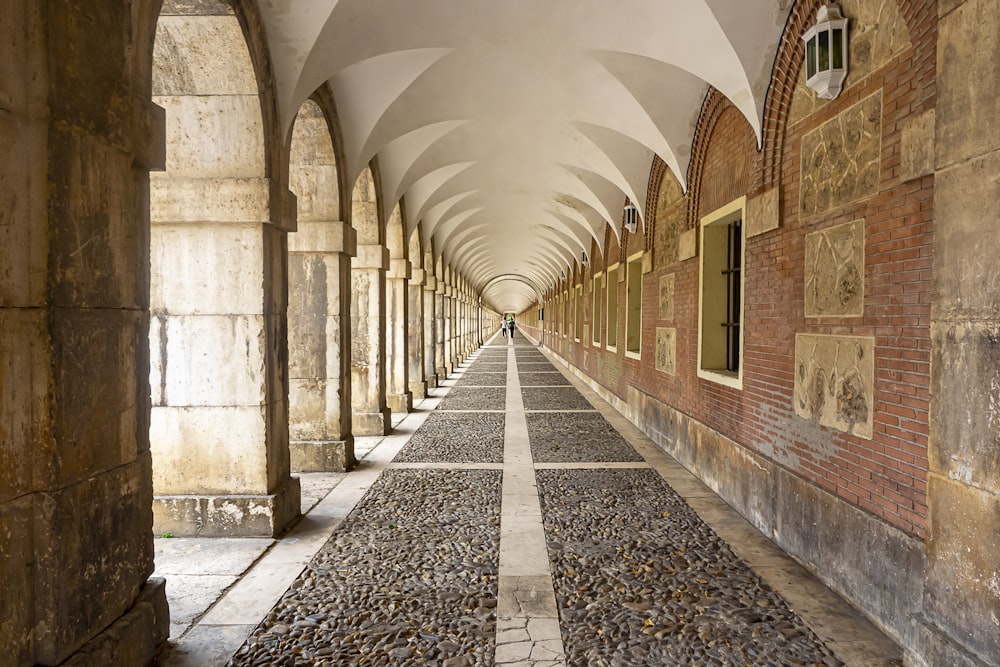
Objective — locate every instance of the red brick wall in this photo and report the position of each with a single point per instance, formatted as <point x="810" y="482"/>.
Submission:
<point x="887" y="474"/>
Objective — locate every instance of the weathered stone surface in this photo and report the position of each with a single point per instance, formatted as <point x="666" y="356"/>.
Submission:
<point x="763" y="212"/>
<point x="186" y="57"/>
<point x="916" y="147"/>
<point x="25" y="398"/>
<point x="963" y="573"/>
<point x="834" y="381"/>
<point x="22" y="281"/>
<point x="666" y="300"/>
<point x="841" y="159"/>
<point x="322" y="455"/>
<point x="17" y="574"/>
<point x="95" y="534"/>
<point x="224" y="444"/>
<point x="968" y="84"/>
<point x="249" y="515"/>
<point x="964" y="443"/>
<point x="966" y="273"/>
<point x="835" y="271"/>
<point x="200" y="201"/>
<point x="229" y="142"/>
<point x="666" y="350"/>
<point x="877" y="33"/>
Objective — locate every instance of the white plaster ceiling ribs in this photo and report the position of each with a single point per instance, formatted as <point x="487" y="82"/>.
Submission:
<point x="514" y="130"/>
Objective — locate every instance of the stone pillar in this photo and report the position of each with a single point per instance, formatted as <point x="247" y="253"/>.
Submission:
<point x="399" y="398"/>
<point x="448" y="310"/>
<point x="76" y="549"/>
<point x="431" y="331"/>
<point x="319" y="346"/>
<point x="219" y="376"/>
<point x="371" y="415"/>
<point x="961" y="617"/>
<point x="415" y="334"/>
<point x="441" y="331"/>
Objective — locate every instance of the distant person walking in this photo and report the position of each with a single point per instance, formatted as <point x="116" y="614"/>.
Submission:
<point x="510" y="325"/>
<point x="503" y="327"/>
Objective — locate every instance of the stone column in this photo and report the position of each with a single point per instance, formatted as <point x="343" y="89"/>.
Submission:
<point x="319" y="346"/>
<point x="431" y="331"/>
<point x="962" y="583"/>
<point x="415" y="334"/>
<point x="399" y="398"/>
<point x="371" y="415"/>
<point x="76" y="549"/>
<point x="448" y="309"/>
<point x="441" y="331"/>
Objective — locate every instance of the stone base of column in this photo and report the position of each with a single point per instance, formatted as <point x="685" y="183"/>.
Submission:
<point x="419" y="389"/>
<point x="322" y="455"/>
<point x="400" y="403"/>
<point x="132" y="640"/>
<point x="372" y="423"/>
<point x="442" y="373"/>
<point x="227" y="516"/>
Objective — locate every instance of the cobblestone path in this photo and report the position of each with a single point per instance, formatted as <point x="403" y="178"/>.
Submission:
<point x="518" y="527"/>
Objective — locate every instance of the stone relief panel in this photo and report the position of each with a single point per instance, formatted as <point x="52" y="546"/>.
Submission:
<point x="835" y="271"/>
<point x="840" y="158"/>
<point x="834" y="381"/>
<point x="666" y="350"/>
<point x="667" y="297"/>
<point x="877" y="34"/>
<point x="671" y="211"/>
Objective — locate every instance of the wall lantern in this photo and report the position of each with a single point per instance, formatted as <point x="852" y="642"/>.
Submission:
<point x="826" y="52"/>
<point x="631" y="217"/>
<point x="584" y="260"/>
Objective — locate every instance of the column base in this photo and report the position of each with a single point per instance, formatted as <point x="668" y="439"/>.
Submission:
<point x="372" y="423"/>
<point x="442" y="374"/>
<point x="400" y="403"/>
<point x="132" y="640"/>
<point x="418" y="389"/>
<point x="322" y="455"/>
<point x="228" y="516"/>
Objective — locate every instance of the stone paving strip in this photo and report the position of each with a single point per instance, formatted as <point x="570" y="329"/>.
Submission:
<point x="457" y="437"/>
<point x="409" y="578"/>
<point x="554" y="398"/>
<point x="576" y="437"/>
<point x="528" y="633"/>
<point x="641" y="580"/>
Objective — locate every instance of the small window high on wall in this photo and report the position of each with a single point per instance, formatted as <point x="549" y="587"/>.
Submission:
<point x="720" y="340"/>
<point x="612" y="335"/>
<point x="633" y="309"/>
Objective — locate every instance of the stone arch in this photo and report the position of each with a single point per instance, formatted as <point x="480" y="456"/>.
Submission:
<point x="218" y="428"/>
<point x="319" y="266"/>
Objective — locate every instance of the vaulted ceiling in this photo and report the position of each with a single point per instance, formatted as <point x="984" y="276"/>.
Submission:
<point x="514" y="130"/>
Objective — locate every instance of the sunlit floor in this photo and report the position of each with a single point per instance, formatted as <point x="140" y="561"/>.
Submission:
<point x="513" y="519"/>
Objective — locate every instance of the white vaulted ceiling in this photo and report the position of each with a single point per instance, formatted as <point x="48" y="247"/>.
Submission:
<point x="514" y="130"/>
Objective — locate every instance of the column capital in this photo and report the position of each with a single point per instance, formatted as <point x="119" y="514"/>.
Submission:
<point x="324" y="236"/>
<point x="430" y="283"/>
<point x="417" y="276"/>
<point x="399" y="269"/>
<point x="371" y="256"/>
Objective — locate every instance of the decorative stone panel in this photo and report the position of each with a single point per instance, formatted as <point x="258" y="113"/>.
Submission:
<point x="667" y="296"/>
<point x="841" y="158"/>
<point x="763" y="212"/>
<point x="834" y="381"/>
<point x="666" y="350"/>
<point x="835" y="271"/>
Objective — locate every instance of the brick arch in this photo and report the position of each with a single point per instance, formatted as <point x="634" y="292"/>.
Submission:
<point x="920" y="17"/>
<point x="714" y="105"/>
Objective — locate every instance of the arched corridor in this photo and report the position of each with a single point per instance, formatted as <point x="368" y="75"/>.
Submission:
<point x="247" y="246"/>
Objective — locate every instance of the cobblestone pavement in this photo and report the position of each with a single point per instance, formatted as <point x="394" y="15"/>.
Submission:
<point x="625" y="572"/>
